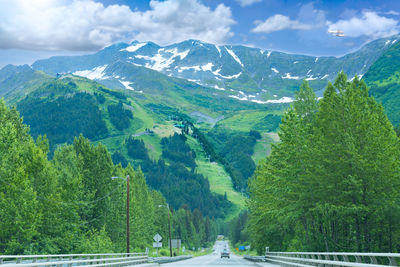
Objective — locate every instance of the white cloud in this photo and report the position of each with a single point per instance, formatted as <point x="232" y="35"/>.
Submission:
<point x="244" y="3"/>
<point x="88" y="25"/>
<point x="279" y="22"/>
<point x="369" y="24"/>
<point x="393" y="13"/>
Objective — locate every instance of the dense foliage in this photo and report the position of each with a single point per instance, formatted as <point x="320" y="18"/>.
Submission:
<point x="383" y="78"/>
<point x="238" y="234"/>
<point x="64" y="118"/>
<point x="71" y="205"/>
<point x="119" y="117"/>
<point x="181" y="186"/>
<point x="176" y="150"/>
<point x="234" y="151"/>
<point x="331" y="184"/>
<point x="136" y="148"/>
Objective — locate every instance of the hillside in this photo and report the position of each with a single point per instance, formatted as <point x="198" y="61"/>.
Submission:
<point x="127" y="121"/>
<point x="383" y="79"/>
<point x="18" y="81"/>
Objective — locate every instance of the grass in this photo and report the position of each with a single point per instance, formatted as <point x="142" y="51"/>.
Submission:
<point x="263" y="147"/>
<point x="220" y="182"/>
<point x="247" y="120"/>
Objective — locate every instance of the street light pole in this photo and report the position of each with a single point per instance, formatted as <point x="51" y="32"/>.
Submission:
<point x="127" y="211"/>
<point x="127" y="214"/>
<point x="169" y="223"/>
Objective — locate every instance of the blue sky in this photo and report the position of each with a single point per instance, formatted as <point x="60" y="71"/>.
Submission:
<point x="30" y="30"/>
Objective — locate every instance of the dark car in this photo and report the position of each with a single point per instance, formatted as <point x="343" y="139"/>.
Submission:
<point x="225" y="253"/>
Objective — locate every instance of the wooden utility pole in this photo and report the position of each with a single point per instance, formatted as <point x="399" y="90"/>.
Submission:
<point x="127" y="214"/>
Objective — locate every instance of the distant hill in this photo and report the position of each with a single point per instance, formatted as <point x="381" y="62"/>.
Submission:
<point x="17" y="81"/>
<point x="383" y="79"/>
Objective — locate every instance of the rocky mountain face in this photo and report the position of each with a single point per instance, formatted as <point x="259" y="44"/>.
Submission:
<point x="239" y="72"/>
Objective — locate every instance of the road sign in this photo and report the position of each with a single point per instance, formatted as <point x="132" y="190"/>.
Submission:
<point x="157" y="238"/>
<point x="157" y="244"/>
<point x="176" y="243"/>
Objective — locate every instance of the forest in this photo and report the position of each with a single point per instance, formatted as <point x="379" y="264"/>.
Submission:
<point x="70" y="204"/>
<point x="174" y="176"/>
<point x="64" y="118"/>
<point x="332" y="182"/>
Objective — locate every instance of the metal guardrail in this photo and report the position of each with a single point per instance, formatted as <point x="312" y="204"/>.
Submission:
<point x="170" y="259"/>
<point x="305" y="259"/>
<point x="108" y="259"/>
<point x="254" y="258"/>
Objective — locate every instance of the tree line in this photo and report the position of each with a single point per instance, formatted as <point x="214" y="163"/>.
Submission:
<point x="332" y="183"/>
<point x="70" y="204"/>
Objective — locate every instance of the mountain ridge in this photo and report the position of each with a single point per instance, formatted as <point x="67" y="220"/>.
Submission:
<point x="244" y="73"/>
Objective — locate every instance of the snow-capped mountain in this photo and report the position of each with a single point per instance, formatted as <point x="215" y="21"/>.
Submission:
<point x="242" y="72"/>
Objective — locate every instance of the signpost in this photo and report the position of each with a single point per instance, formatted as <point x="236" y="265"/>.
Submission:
<point x="157" y="244"/>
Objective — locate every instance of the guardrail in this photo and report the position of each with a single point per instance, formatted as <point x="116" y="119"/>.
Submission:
<point x="170" y="259"/>
<point x="304" y="259"/>
<point x="108" y="259"/>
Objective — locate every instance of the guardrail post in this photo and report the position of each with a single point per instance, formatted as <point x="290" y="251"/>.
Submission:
<point x="358" y="259"/>
<point x="392" y="261"/>
<point x="373" y="260"/>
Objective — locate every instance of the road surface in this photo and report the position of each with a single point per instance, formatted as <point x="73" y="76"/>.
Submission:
<point x="214" y="259"/>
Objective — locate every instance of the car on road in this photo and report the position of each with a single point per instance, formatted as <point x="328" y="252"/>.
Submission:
<point x="225" y="254"/>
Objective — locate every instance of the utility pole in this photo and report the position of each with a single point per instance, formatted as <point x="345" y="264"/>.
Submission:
<point x="170" y="244"/>
<point x="127" y="214"/>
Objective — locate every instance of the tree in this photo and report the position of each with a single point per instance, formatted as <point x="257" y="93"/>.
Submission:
<point x="328" y="185"/>
<point x="19" y="214"/>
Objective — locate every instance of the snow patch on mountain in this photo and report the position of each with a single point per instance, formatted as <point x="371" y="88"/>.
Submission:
<point x="269" y="53"/>
<point x="284" y="99"/>
<point x="134" y="47"/>
<point x="195" y="68"/>
<point x="288" y="76"/>
<point x="216" y="72"/>
<point x="207" y="67"/>
<point x="235" y="57"/>
<point x="219" y="50"/>
<point x="95" y="73"/>
<point x="311" y="78"/>
<point x="275" y="70"/>
<point x="219" y="88"/>
<point x="159" y="62"/>
<point x="126" y="84"/>
<point x="316" y="59"/>
<point x="175" y="53"/>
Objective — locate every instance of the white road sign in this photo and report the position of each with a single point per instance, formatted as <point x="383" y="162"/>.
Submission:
<point x="157" y="244"/>
<point x="157" y="238"/>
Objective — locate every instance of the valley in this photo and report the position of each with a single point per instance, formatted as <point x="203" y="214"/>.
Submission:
<point x="193" y="121"/>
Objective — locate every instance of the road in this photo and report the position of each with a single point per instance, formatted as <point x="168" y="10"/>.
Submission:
<point x="215" y="259"/>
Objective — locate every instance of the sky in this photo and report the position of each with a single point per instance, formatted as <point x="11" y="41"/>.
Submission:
<point x="31" y="30"/>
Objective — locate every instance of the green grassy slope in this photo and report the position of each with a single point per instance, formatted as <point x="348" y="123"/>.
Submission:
<point x="383" y="79"/>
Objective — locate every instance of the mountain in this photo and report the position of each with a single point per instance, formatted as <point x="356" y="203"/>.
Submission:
<point x="383" y="80"/>
<point x="17" y="81"/>
<point x="239" y="72"/>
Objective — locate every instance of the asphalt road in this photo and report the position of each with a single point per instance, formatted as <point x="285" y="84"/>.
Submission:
<point x="215" y="259"/>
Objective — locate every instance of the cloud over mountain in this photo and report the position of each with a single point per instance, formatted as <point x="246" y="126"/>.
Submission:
<point x="279" y="22"/>
<point x="88" y="25"/>
<point x="368" y="24"/>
